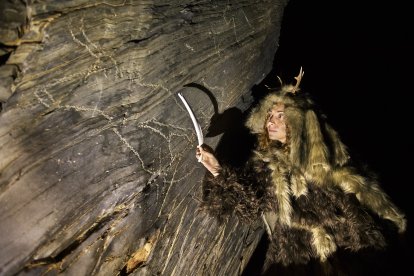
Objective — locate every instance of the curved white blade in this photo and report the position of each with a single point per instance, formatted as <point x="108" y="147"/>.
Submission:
<point x="197" y="126"/>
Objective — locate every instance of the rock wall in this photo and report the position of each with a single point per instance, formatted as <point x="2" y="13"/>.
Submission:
<point x="98" y="174"/>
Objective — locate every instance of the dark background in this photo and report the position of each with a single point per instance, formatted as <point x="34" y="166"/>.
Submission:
<point x="358" y="63"/>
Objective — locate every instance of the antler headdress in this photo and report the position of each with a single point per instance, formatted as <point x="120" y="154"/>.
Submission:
<point x="311" y="140"/>
<point x="287" y="94"/>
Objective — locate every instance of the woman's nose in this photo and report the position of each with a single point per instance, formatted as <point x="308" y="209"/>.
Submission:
<point x="273" y="120"/>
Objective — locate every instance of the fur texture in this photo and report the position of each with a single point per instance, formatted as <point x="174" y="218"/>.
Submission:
<point x="319" y="200"/>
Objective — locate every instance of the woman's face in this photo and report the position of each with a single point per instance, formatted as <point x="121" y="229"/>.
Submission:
<point x="276" y="125"/>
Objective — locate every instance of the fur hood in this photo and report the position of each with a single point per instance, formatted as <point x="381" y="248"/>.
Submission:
<point x="315" y="148"/>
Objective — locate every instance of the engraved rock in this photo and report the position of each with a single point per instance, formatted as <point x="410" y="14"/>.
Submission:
<point x="98" y="174"/>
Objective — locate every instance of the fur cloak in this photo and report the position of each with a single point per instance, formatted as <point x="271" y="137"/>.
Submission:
<point x="310" y="197"/>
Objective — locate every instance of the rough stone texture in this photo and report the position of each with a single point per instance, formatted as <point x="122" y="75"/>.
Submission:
<point x="97" y="168"/>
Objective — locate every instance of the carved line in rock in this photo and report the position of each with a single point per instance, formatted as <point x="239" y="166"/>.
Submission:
<point x="155" y="173"/>
<point x="100" y="52"/>
<point x="48" y="101"/>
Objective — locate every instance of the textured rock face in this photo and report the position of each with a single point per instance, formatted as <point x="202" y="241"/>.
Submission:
<point x="98" y="173"/>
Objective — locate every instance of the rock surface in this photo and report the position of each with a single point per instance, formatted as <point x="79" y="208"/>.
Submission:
<point x="97" y="168"/>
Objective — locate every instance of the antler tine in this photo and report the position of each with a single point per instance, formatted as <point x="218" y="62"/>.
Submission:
<point x="298" y="79"/>
<point x="280" y="80"/>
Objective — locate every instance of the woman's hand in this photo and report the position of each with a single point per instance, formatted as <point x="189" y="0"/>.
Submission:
<point x="206" y="157"/>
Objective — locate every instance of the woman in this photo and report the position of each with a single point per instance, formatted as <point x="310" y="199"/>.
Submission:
<point x="301" y="182"/>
